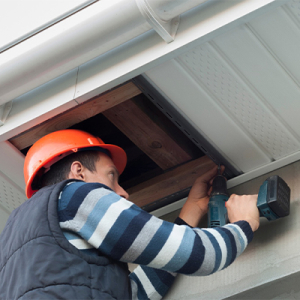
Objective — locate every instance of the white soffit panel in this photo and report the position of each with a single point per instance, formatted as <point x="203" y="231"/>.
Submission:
<point x="279" y="32"/>
<point x="240" y="101"/>
<point x="3" y="218"/>
<point x="200" y="106"/>
<point x="11" y="164"/>
<point x="263" y="66"/>
<point x="241" y="89"/>
<point x="10" y="195"/>
<point x="12" y="183"/>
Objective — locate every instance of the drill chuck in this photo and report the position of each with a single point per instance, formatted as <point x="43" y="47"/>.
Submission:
<point x="219" y="186"/>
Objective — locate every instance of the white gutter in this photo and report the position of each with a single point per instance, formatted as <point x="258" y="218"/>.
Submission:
<point x="48" y="23"/>
<point x="91" y="32"/>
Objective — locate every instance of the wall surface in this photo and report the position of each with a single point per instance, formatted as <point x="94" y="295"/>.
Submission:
<point x="270" y="266"/>
<point x="3" y="219"/>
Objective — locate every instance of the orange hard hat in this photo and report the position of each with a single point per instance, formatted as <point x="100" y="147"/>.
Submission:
<point x="56" y="145"/>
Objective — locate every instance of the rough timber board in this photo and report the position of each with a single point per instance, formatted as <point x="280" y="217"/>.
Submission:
<point x="81" y="112"/>
<point x="160" y="141"/>
<point x="171" y="182"/>
<point x="148" y="136"/>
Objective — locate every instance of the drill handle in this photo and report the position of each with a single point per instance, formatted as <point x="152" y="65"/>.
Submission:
<point x="217" y="212"/>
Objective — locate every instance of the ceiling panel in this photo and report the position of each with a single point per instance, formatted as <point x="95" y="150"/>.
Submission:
<point x="279" y="33"/>
<point x="239" y="101"/>
<point x="294" y="7"/>
<point x="241" y="89"/>
<point x="264" y="74"/>
<point x="202" y="108"/>
<point x="10" y="196"/>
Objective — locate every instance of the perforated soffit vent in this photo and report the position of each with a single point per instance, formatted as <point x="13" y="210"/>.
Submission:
<point x="10" y="196"/>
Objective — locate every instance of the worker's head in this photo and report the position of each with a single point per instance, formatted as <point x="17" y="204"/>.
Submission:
<point x="73" y="154"/>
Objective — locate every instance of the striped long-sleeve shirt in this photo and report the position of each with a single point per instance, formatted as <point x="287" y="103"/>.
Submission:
<point x="94" y="218"/>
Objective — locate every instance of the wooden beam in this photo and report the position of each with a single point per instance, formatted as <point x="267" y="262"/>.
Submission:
<point x="129" y="118"/>
<point x="77" y="114"/>
<point x="167" y="125"/>
<point x="170" y="182"/>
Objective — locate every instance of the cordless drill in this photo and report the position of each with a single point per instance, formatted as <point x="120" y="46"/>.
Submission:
<point x="273" y="200"/>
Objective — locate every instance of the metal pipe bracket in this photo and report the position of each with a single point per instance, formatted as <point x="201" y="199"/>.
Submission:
<point x="4" y="112"/>
<point x="166" y="29"/>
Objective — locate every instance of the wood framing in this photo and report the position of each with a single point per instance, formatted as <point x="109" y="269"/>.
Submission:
<point x="170" y="182"/>
<point x="77" y="114"/>
<point x="128" y="112"/>
<point x="147" y="135"/>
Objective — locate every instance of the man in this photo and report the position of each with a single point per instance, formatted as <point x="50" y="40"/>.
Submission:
<point x="75" y="235"/>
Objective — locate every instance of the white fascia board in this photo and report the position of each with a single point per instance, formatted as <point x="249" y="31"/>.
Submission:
<point x="236" y="181"/>
<point x="129" y="60"/>
<point x="40" y="105"/>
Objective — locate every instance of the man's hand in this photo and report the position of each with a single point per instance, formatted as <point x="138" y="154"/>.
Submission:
<point x="243" y="208"/>
<point x="197" y="203"/>
<point x="240" y="208"/>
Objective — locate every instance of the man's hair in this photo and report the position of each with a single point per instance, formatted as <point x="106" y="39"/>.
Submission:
<point x="61" y="169"/>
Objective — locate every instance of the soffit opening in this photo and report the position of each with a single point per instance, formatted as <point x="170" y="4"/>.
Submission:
<point x="162" y="161"/>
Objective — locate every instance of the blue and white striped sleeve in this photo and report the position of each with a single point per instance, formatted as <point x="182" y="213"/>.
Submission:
<point x="121" y="230"/>
<point x="150" y="283"/>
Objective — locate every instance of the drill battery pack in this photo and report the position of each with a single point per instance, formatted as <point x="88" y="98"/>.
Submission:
<point x="274" y="198"/>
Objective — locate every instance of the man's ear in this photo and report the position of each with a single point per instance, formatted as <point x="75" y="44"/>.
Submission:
<point x="77" y="171"/>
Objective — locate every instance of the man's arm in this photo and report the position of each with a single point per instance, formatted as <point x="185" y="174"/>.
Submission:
<point x="124" y="232"/>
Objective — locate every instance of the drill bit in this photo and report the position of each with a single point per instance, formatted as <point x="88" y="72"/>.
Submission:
<point x="219" y="169"/>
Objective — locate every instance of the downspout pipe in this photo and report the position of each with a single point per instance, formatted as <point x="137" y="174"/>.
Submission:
<point x="87" y="34"/>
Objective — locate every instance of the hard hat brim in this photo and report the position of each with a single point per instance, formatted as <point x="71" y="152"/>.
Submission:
<point x="41" y="156"/>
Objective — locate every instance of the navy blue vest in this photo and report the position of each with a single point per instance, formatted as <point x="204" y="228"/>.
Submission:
<point x="38" y="262"/>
